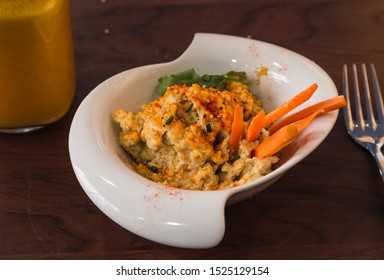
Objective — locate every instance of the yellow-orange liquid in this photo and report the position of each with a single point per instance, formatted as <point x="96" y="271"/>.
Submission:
<point x="37" y="76"/>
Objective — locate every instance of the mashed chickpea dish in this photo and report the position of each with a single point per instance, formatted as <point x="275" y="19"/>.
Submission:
<point x="194" y="135"/>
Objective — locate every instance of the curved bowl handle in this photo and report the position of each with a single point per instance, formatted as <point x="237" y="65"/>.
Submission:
<point x="181" y="218"/>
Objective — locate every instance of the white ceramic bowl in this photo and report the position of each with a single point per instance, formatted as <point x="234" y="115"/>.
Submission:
<point x="182" y="218"/>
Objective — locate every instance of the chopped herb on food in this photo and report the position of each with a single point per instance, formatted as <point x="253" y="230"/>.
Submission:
<point x="209" y="127"/>
<point x="153" y="169"/>
<point x="189" y="108"/>
<point x="233" y="159"/>
<point x="169" y="120"/>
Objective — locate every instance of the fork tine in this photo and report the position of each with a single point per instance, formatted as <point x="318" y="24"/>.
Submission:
<point x="377" y="93"/>
<point x="347" y="110"/>
<point x="358" y="108"/>
<point x="368" y="100"/>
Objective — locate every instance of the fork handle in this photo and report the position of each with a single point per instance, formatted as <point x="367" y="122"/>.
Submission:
<point x="379" y="157"/>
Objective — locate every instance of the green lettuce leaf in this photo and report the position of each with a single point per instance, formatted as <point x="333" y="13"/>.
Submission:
<point x="190" y="77"/>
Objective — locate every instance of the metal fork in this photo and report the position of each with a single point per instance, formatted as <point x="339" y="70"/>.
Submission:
<point x="365" y="124"/>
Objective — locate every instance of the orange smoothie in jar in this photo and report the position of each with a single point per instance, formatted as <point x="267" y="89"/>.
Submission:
<point x="37" y="76"/>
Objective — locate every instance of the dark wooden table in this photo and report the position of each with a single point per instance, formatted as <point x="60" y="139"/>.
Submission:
<point x="330" y="206"/>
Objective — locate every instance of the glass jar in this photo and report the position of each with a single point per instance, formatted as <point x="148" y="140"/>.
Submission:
<point x="37" y="69"/>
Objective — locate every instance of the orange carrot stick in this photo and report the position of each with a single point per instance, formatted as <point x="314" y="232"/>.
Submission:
<point x="255" y="127"/>
<point x="289" y="105"/>
<point x="237" y="129"/>
<point x="303" y="123"/>
<point x="276" y="142"/>
<point x="283" y="136"/>
<point x="326" y="106"/>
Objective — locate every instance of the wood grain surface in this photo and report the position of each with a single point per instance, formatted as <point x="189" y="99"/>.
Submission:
<point x="330" y="206"/>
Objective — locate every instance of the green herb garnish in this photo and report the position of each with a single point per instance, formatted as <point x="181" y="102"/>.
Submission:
<point x="169" y="120"/>
<point x="208" y="127"/>
<point x="189" y="108"/>
<point x="233" y="159"/>
<point x="236" y="76"/>
<point x="190" y="77"/>
<point x="153" y="169"/>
